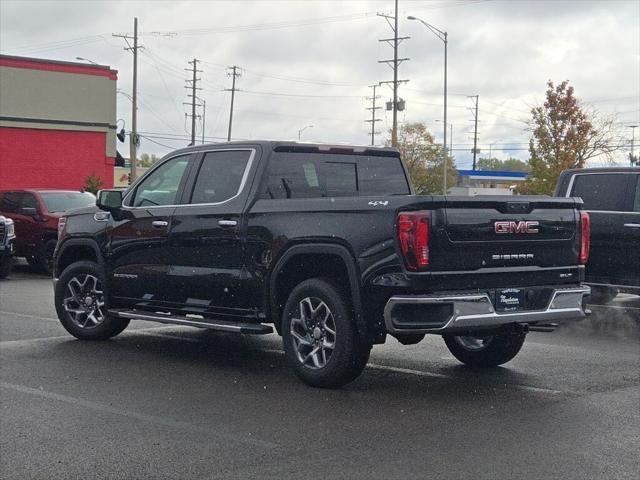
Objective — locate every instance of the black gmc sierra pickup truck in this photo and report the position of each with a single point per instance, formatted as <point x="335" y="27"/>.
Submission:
<point x="327" y="243"/>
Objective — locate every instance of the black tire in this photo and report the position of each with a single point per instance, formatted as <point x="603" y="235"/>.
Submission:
<point x="108" y="327"/>
<point x="495" y="349"/>
<point x="5" y="266"/>
<point x="349" y="354"/>
<point x="44" y="258"/>
<point x="602" y="295"/>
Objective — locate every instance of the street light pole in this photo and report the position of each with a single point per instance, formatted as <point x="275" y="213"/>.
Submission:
<point x="302" y="130"/>
<point x="444" y="37"/>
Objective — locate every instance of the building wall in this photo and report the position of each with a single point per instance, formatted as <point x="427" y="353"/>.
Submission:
<point x="57" y="123"/>
<point x="42" y="158"/>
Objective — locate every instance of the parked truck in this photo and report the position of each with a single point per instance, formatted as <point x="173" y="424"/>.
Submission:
<point x="330" y="246"/>
<point x="612" y="198"/>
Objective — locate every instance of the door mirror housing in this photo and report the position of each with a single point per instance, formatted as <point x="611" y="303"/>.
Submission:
<point x="109" y="200"/>
<point x="29" y="211"/>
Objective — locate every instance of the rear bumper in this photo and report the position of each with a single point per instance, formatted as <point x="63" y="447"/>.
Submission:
<point x="458" y="313"/>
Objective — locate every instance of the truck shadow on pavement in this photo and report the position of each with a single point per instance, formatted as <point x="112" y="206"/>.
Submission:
<point x="218" y="359"/>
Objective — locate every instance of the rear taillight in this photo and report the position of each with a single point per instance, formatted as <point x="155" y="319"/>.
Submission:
<point x="413" y="235"/>
<point x="585" y="242"/>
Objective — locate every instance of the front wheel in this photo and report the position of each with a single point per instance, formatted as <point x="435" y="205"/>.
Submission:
<point x="320" y="337"/>
<point x="5" y="266"/>
<point x="80" y="303"/>
<point x="484" y="350"/>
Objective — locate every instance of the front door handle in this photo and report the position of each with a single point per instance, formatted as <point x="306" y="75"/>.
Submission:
<point x="632" y="225"/>
<point x="159" y="224"/>
<point x="227" y="223"/>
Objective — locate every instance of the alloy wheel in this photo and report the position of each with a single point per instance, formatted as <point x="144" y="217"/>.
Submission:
<point x="313" y="332"/>
<point x="473" y="343"/>
<point x="85" y="302"/>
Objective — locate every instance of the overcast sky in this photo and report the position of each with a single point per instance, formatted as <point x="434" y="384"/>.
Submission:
<point x="309" y="62"/>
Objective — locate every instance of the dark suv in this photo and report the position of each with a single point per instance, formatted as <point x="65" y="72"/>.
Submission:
<point x="612" y="198"/>
<point x="35" y="214"/>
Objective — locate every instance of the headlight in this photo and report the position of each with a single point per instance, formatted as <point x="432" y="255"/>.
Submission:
<point x="62" y="222"/>
<point x="11" y="230"/>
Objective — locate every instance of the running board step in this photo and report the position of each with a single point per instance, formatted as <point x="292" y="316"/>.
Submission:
<point x="193" y="321"/>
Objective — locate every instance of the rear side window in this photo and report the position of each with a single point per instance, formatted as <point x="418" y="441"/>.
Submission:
<point x="604" y="192"/>
<point x="314" y="175"/>
<point x="636" y="203"/>
<point x="220" y="176"/>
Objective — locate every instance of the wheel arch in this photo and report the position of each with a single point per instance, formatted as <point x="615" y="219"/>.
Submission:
<point x="75" y="250"/>
<point x="278" y="290"/>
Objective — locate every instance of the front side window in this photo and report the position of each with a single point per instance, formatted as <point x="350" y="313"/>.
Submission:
<point x="29" y="201"/>
<point x="220" y="176"/>
<point x="162" y="185"/>
<point x="636" y="202"/>
<point x="604" y="192"/>
<point x="313" y="175"/>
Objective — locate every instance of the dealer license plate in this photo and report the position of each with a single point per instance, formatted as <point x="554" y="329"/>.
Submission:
<point x="509" y="299"/>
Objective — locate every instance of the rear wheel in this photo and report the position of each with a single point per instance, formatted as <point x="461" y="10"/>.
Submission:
<point x="484" y="350"/>
<point x="602" y="295"/>
<point x="320" y="338"/>
<point x="80" y="303"/>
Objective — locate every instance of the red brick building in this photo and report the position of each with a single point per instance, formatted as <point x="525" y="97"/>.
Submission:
<point x="57" y="123"/>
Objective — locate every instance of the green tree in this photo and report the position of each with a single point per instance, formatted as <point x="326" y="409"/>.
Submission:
<point x="565" y="135"/>
<point x="510" y="164"/>
<point x="146" y="160"/>
<point x="423" y="157"/>
<point x="92" y="183"/>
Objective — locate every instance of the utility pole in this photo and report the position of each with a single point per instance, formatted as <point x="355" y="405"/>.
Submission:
<point x="475" y="131"/>
<point x="193" y="86"/>
<point x="373" y="109"/>
<point x="394" y="64"/>
<point x="233" y="74"/>
<point x="632" y="158"/>
<point x="133" y="137"/>
<point x="204" y="112"/>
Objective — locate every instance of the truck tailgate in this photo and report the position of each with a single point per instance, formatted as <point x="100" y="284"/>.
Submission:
<point x="492" y="232"/>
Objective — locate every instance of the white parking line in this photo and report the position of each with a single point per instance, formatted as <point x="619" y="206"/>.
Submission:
<point x="152" y="419"/>
<point x="33" y="317"/>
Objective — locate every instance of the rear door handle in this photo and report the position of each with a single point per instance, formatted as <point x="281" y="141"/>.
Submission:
<point x="159" y="224"/>
<point x="632" y="225"/>
<point x="227" y="223"/>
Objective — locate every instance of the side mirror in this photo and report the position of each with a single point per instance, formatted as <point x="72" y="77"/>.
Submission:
<point x="109" y="200"/>
<point x="29" y="211"/>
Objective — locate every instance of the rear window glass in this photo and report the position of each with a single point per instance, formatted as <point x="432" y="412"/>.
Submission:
<point x="313" y="175"/>
<point x="220" y="176"/>
<point x="605" y="192"/>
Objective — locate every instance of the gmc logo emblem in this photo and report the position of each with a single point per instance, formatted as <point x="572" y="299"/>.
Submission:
<point x="517" y="227"/>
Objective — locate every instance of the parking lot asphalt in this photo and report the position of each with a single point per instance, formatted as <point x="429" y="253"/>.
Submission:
<point x="178" y="403"/>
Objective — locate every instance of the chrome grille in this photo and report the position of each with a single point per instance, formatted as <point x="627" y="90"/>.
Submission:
<point x="3" y="229"/>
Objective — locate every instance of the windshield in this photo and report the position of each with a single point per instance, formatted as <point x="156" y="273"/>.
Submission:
<point x="57" y="202"/>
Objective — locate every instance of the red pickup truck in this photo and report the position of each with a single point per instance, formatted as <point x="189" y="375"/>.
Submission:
<point x="35" y="214"/>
